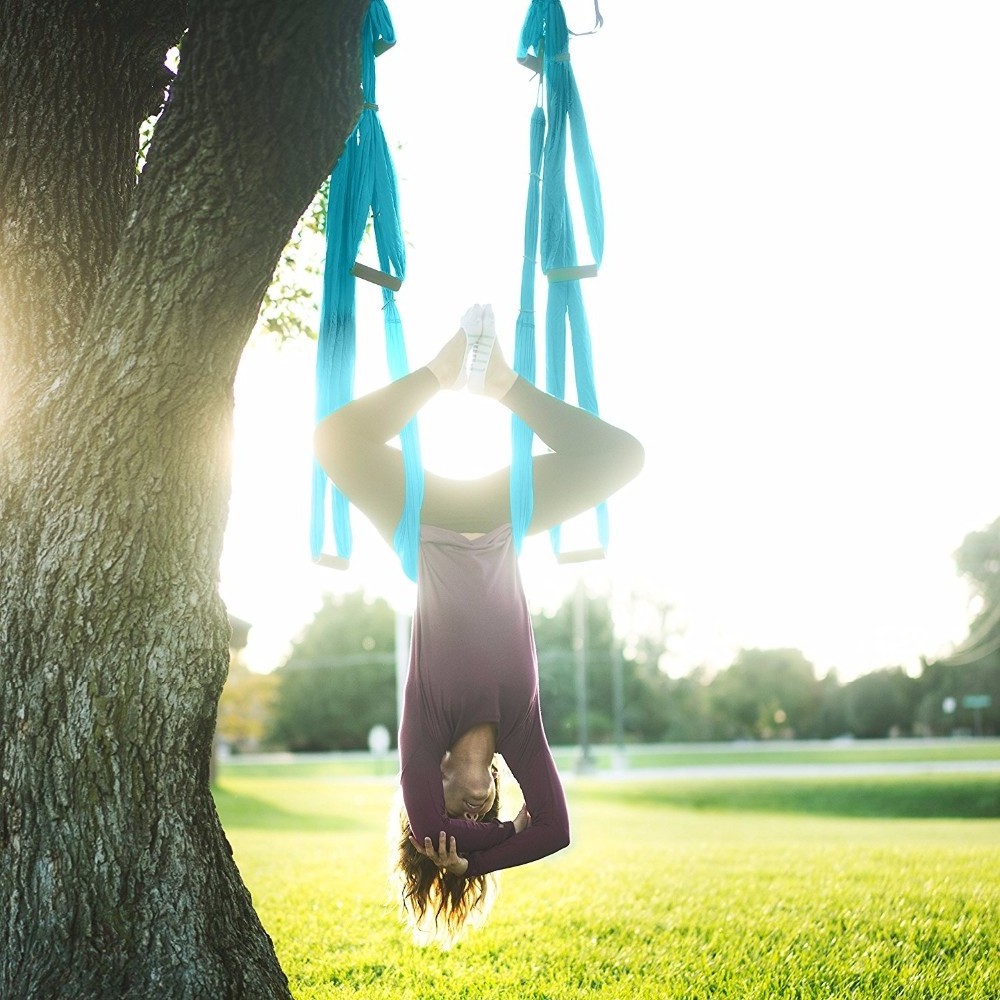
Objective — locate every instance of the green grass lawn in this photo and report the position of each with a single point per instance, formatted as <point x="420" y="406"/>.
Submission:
<point x="821" y="888"/>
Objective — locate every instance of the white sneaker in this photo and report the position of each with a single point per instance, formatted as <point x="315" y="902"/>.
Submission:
<point x="472" y="324"/>
<point x="481" y="351"/>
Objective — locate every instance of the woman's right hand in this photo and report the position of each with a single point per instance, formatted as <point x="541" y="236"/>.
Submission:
<point x="446" y="856"/>
<point x="522" y="820"/>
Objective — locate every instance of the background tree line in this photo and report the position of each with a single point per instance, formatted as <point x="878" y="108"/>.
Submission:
<point x="340" y="680"/>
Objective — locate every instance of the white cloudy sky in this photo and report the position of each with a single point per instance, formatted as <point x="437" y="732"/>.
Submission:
<point x="797" y="313"/>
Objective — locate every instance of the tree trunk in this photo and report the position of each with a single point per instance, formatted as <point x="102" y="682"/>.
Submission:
<point x="124" y="308"/>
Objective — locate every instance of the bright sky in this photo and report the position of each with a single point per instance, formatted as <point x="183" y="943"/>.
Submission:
<point x="797" y="314"/>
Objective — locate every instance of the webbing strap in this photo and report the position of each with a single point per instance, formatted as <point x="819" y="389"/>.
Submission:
<point x="545" y="33"/>
<point x="362" y="185"/>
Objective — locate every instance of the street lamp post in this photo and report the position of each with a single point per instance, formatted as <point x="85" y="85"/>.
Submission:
<point x="618" y="696"/>
<point x="403" y="627"/>
<point x="585" y="762"/>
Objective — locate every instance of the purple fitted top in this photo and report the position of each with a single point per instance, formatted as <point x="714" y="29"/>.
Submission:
<point x="472" y="660"/>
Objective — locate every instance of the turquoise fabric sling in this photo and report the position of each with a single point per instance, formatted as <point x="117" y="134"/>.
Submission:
<point x="544" y="45"/>
<point x="362" y="185"/>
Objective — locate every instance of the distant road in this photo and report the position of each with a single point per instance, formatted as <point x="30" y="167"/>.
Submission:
<point x="794" y="770"/>
<point x="707" y="761"/>
<point x="793" y="759"/>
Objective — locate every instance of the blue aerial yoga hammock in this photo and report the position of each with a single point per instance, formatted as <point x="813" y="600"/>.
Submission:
<point x="363" y="183"/>
<point x="545" y="34"/>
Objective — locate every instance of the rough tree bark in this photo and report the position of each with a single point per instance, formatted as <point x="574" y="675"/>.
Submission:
<point x="124" y="308"/>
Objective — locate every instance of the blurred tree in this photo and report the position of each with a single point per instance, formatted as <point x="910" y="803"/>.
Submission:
<point x="350" y="625"/>
<point x="648" y="704"/>
<point x="882" y="703"/>
<point x="977" y="559"/>
<point x="557" y="669"/>
<point x="944" y="687"/>
<point x="245" y="707"/>
<point x="644" y="685"/>
<point x="831" y="718"/>
<point x="333" y="705"/>
<point x="557" y="687"/>
<point x="339" y="679"/>
<point x="972" y="670"/>
<point x="765" y="693"/>
<point x="655" y="704"/>
<point x="683" y="704"/>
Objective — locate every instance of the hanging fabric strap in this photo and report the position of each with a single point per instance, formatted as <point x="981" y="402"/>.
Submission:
<point x="545" y="33"/>
<point x="521" y="478"/>
<point x="362" y="185"/>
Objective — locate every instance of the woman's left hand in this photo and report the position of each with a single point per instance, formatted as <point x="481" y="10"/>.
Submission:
<point x="445" y="856"/>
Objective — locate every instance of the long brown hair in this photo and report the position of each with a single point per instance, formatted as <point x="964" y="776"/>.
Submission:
<point x="438" y="906"/>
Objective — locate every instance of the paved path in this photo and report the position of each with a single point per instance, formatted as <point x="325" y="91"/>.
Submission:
<point x="387" y="768"/>
<point x="794" y="770"/>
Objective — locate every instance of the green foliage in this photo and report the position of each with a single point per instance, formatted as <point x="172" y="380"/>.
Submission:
<point x="645" y="688"/>
<point x="557" y="668"/>
<point x="291" y="305"/>
<point x="882" y="703"/>
<point x="348" y="626"/>
<point x="978" y="561"/>
<point x="340" y="679"/>
<point x="765" y="693"/>
<point x="653" y="899"/>
<point x="245" y="707"/>
<point x="333" y="707"/>
<point x="831" y="719"/>
<point x="158" y="98"/>
<point x="974" y="668"/>
<point x="955" y="681"/>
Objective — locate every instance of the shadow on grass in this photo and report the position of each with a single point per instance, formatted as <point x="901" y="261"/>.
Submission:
<point x="246" y="812"/>
<point x="910" y="797"/>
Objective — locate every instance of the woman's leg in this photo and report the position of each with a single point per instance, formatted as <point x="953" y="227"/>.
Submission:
<point x="351" y="445"/>
<point x="590" y="458"/>
<point x="352" y="442"/>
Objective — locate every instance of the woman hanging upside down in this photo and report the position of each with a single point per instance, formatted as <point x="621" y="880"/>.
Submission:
<point x="472" y="685"/>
